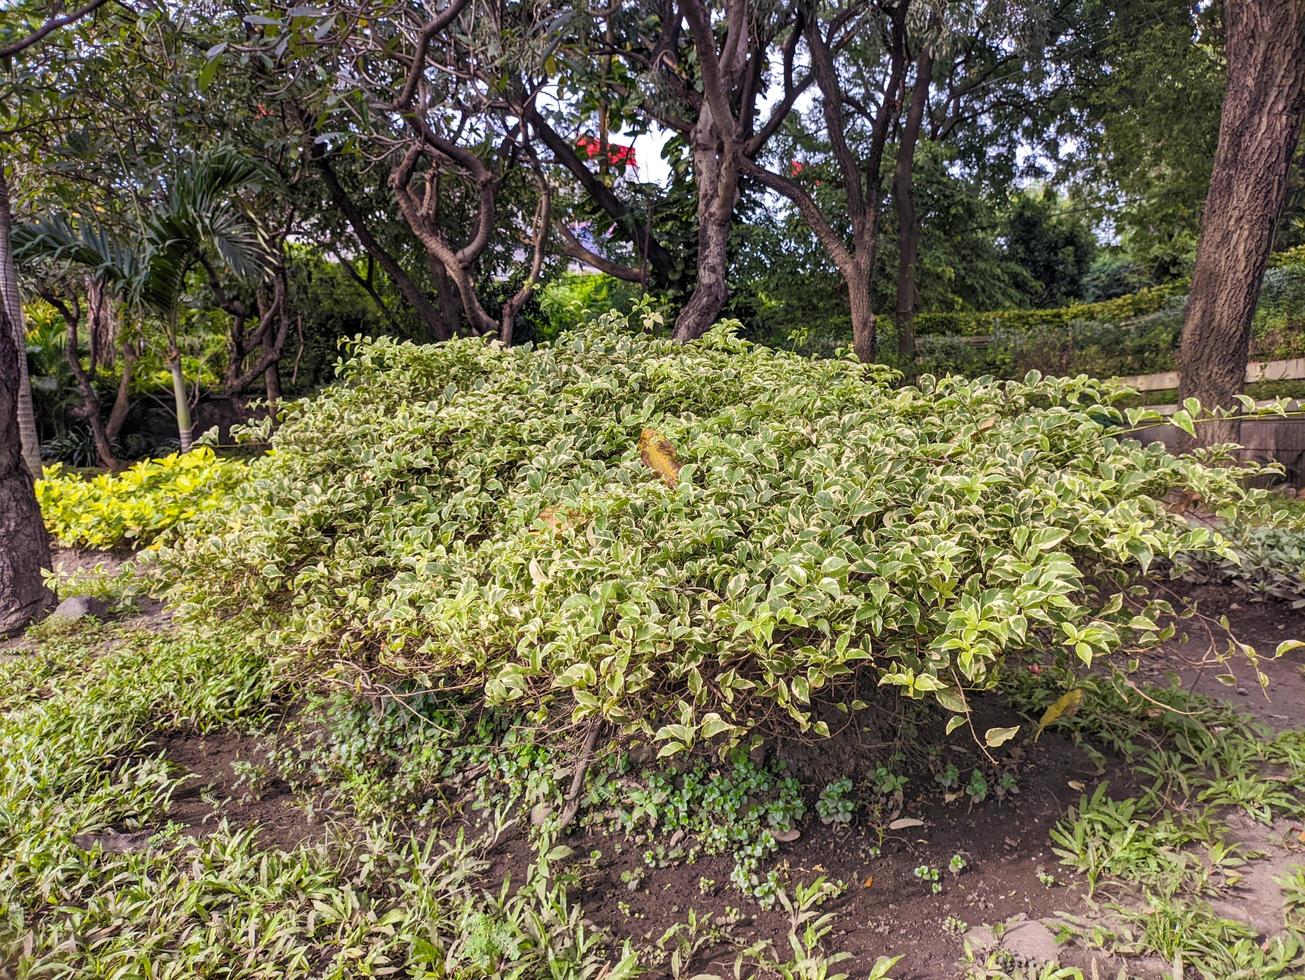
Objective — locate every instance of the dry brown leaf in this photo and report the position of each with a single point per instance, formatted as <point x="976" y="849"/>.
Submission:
<point x="904" y="823"/>
<point x="557" y="520"/>
<point x="659" y="456"/>
<point x="869" y="881"/>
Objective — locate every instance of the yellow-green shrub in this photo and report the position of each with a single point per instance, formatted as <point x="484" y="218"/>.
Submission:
<point x="138" y="504"/>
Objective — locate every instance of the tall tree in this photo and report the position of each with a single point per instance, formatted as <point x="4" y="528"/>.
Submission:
<point x="24" y="546"/>
<point x="1259" y="127"/>
<point x="12" y="302"/>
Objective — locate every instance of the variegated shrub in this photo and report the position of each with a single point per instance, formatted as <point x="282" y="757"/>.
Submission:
<point x="486" y="522"/>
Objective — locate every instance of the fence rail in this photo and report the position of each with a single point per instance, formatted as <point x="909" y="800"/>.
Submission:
<point x="1292" y="369"/>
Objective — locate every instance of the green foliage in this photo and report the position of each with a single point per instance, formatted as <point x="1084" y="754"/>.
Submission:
<point x="836" y="804"/>
<point x="1051" y="243"/>
<point x="739" y="811"/>
<point x="1136" y="333"/>
<point x="479" y="520"/>
<point x="79" y="765"/>
<point x="137" y="505"/>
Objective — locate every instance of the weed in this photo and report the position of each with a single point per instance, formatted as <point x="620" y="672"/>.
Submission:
<point x="930" y="876"/>
<point x="835" y="805"/>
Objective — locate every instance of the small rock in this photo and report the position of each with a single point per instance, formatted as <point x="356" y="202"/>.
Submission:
<point x="112" y="841"/>
<point x="981" y="938"/>
<point x="641" y="753"/>
<point x="1242" y="691"/>
<point x="79" y="607"/>
<point x="1032" y="941"/>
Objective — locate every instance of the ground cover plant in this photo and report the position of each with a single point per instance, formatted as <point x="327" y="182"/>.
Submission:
<point x="689" y="543"/>
<point x="135" y="506"/>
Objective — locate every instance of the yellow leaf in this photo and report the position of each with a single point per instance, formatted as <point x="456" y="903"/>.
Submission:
<point x="659" y="456"/>
<point x="995" y="737"/>
<point x="1065" y="707"/>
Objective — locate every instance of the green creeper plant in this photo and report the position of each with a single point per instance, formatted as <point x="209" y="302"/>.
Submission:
<point x="481" y="522"/>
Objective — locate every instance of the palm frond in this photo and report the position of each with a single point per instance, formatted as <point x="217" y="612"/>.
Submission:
<point x="54" y="241"/>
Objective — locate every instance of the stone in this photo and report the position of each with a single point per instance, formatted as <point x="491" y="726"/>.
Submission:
<point x="1032" y="942"/>
<point x="79" y="607"/>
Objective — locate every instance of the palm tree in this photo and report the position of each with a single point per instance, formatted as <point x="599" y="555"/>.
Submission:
<point x="200" y="216"/>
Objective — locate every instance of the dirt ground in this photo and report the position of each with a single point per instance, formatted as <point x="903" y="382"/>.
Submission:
<point x="1011" y="876"/>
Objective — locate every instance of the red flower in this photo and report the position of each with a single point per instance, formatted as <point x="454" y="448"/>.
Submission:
<point x="617" y="155"/>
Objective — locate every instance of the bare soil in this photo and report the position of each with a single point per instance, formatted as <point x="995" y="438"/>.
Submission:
<point x="885" y="908"/>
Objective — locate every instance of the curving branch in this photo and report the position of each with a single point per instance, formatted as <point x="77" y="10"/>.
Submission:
<point x="49" y="27"/>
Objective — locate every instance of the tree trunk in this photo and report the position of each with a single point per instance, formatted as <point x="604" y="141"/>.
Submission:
<point x="24" y="546"/>
<point x="101" y="323"/>
<point x="908" y="216"/>
<point x="272" y="384"/>
<point x="717" y="176"/>
<point x="13" y="305"/>
<point x="180" y="398"/>
<point x="437" y="326"/>
<point x="1258" y="130"/>
<point x="90" y="409"/>
<point x="863" y="315"/>
<point x="121" y="401"/>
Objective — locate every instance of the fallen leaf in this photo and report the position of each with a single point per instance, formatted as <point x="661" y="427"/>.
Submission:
<point x="659" y="456"/>
<point x="869" y="881"/>
<point x="1064" y="706"/>
<point x="995" y="737"/>
<point x="1076" y="785"/>
<point x="904" y="823"/>
<point x="786" y="836"/>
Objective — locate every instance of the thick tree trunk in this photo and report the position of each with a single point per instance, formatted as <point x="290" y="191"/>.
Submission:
<point x="1258" y="131"/>
<point x="13" y="305"/>
<point x="272" y="385"/>
<point x="908" y="216"/>
<point x="717" y="176"/>
<point x="863" y="316"/>
<point x="24" y="547"/>
<point x="101" y="323"/>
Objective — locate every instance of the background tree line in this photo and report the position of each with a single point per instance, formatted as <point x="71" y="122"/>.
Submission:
<point x="182" y="183"/>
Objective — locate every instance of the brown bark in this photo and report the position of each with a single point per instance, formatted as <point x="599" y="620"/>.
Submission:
<point x="71" y="312"/>
<point x="122" y="400"/>
<point x="908" y="216"/>
<point x="437" y="324"/>
<point x="269" y="338"/>
<point x="101" y="323"/>
<point x="13" y="306"/>
<point x="272" y="386"/>
<point x="1258" y="131"/>
<point x="715" y="143"/>
<point x="420" y="213"/>
<point x="716" y="174"/>
<point x="24" y="546"/>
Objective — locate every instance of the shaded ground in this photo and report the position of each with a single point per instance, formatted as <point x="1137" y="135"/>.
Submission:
<point x="1010" y="878"/>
